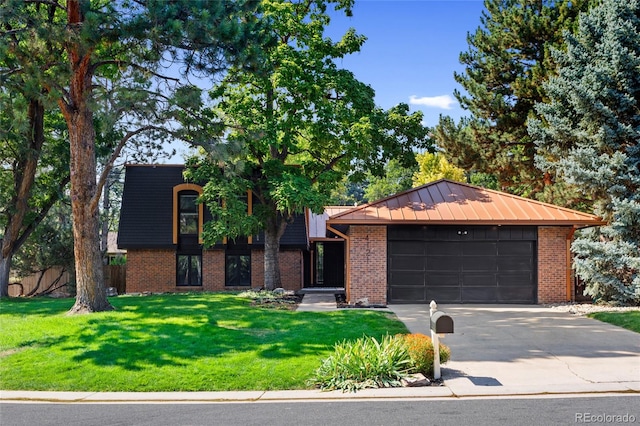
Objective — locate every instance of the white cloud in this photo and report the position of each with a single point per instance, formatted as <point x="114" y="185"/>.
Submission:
<point x="443" y="101"/>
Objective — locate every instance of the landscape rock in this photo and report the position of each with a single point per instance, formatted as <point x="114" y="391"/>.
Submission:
<point x="416" y="380"/>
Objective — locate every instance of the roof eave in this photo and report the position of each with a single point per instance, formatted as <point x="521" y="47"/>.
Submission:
<point x="538" y="222"/>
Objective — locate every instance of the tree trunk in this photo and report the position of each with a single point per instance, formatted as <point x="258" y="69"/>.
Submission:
<point x="24" y="175"/>
<point x="91" y="295"/>
<point x="5" y="266"/>
<point x="274" y="230"/>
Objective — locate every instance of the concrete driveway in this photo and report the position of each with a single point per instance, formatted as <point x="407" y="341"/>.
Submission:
<point x="517" y="349"/>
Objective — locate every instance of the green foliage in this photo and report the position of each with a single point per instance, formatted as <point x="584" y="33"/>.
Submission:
<point x="588" y="133"/>
<point x="397" y="178"/>
<point x="295" y="125"/>
<point x="421" y="352"/>
<point x="507" y="61"/>
<point x="50" y="245"/>
<point x="364" y="363"/>
<point x="484" y="180"/>
<point x="371" y="363"/>
<point x="434" y="166"/>
<point x="162" y="343"/>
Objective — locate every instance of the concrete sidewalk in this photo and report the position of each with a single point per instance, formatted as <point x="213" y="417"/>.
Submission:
<point x="497" y="350"/>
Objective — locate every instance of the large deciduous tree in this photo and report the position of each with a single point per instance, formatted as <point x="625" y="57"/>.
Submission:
<point x="589" y="133"/>
<point x="434" y="166"/>
<point x="507" y="61"/>
<point x="297" y="124"/>
<point x="110" y="54"/>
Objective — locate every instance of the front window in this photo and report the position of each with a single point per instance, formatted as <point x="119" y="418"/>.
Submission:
<point x="238" y="270"/>
<point x="188" y="213"/>
<point x="189" y="270"/>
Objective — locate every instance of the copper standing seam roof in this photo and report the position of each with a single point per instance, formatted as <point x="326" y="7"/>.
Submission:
<point x="445" y="202"/>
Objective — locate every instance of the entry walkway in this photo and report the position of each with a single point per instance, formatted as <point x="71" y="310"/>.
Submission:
<point x="317" y="302"/>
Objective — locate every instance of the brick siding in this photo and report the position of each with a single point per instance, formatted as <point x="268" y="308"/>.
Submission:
<point x="151" y="270"/>
<point x="552" y="264"/>
<point x="155" y="271"/>
<point x="368" y="260"/>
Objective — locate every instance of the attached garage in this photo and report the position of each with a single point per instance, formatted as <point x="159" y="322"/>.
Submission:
<point x="457" y="243"/>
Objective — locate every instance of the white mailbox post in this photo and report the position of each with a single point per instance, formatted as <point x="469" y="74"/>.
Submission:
<point x="440" y="323"/>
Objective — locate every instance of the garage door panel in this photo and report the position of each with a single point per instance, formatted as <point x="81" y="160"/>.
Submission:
<point x="507" y="248"/>
<point x="408" y="294"/>
<point x="444" y="295"/>
<point x="515" y="263"/>
<point x="478" y="280"/>
<point x="443" y="263"/>
<point x="407" y="263"/>
<point x="516" y="295"/>
<point x="478" y="248"/>
<point x="415" y="248"/>
<point x="479" y="294"/>
<point x="522" y="279"/>
<point x="408" y="278"/>
<point x="442" y="248"/>
<point x="451" y="279"/>
<point x="479" y="263"/>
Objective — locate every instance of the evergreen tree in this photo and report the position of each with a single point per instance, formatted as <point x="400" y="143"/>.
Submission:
<point x="507" y="61"/>
<point x="589" y="133"/>
<point x="112" y="52"/>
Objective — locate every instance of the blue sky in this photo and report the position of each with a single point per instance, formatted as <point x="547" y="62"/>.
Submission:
<point x="412" y="50"/>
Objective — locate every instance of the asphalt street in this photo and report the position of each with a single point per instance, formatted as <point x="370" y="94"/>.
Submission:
<point x="619" y="409"/>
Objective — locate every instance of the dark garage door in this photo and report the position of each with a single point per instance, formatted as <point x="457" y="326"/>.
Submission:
<point x="452" y="264"/>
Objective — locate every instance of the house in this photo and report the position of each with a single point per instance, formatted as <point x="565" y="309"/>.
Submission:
<point x="160" y="227"/>
<point x="444" y="241"/>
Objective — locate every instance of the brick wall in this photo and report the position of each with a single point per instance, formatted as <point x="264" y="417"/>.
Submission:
<point x="368" y="260"/>
<point x="151" y="270"/>
<point x="155" y="271"/>
<point x="552" y="264"/>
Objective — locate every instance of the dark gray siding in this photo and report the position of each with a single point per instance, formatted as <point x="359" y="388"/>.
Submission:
<point x="146" y="214"/>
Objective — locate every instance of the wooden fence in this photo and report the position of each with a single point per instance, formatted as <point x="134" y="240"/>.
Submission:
<point x="56" y="279"/>
<point x="52" y="281"/>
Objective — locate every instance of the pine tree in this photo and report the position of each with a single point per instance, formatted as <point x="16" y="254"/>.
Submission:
<point x="507" y="60"/>
<point x="589" y="133"/>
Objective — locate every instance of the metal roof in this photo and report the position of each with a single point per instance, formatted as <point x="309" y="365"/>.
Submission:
<point x="445" y="202"/>
<point x="318" y="222"/>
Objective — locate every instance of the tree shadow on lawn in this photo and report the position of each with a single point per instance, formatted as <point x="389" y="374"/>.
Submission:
<point x="152" y="334"/>
<point x="44" y="306"/>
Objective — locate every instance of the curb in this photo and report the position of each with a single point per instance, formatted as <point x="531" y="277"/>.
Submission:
<point x="428" y="392"/>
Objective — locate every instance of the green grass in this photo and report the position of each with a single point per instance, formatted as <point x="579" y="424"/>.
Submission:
<point x="629" y="320"/>
<point x="193" y="342"/>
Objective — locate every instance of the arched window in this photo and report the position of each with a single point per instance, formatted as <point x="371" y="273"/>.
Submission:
<point x="187" y="213"/>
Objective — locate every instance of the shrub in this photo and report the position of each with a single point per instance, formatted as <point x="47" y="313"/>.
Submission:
<point x="364" y="363"/>
<point x="420" y="350"/>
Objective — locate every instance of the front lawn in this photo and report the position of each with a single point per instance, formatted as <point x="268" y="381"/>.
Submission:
<point x="193" y="342"/>
<point x="629" y="319"/>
